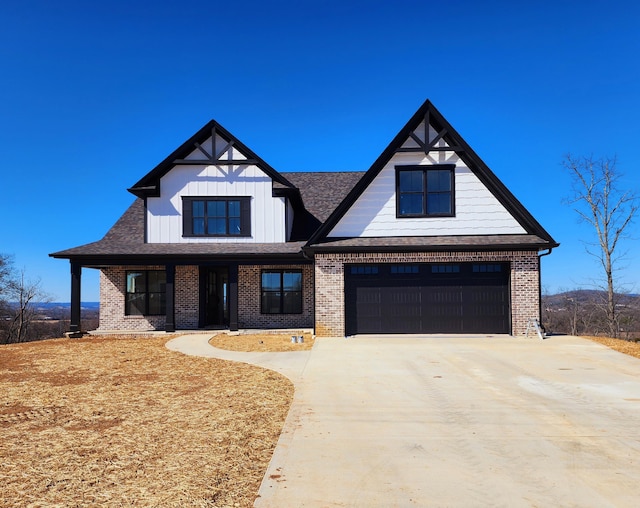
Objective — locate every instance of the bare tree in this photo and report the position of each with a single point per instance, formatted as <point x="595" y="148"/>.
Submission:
<point x="601" y="201"/>
<point x="6" y="273"/>
<point x="17" y="298"/>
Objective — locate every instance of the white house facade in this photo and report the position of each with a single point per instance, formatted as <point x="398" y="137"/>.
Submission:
<point x="428" y="240"/>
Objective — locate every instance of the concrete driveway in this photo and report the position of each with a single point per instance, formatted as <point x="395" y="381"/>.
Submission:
<point x="468" y="421"/>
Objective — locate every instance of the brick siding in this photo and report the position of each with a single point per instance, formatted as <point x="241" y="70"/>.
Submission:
<point x="328" y="297"/>
<point x="113" y="289"/>
<point x="249" y="315"/>
<point x="329" y="276"/>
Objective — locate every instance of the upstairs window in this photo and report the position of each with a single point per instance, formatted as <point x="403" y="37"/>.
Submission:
<point x="425" y="191"/>
<point x="146" y="293"/>
<point x="229" y="216"/>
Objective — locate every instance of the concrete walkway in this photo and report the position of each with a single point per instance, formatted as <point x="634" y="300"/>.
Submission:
<point x="446" y="421"/>
<point x="289" y="364"/>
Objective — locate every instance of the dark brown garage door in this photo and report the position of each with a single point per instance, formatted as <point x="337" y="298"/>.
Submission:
<point x="427" y="298"/>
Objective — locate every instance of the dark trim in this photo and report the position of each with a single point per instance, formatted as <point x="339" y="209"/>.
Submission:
<point x="219" y="162"/>
<point x="282" y="271"/>
<point x="76" y="279"/>
<point x="428" y="113"/>
<point x="170" y="323"/>
<point x="146" y="292"/>
<point x="425" y="192"/>
<point x="96" y="261"/>
<point x="233" y="297"/>
<point x="292" y="195"/>
<point x="245" y="216"/>
<point x="201" y="296"/>
<point x="146" y="221"/>
<point x="327" y="248"/>
<point x="149" y="185"/>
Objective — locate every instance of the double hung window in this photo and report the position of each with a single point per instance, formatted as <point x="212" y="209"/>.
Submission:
<point x="425" y="191"/>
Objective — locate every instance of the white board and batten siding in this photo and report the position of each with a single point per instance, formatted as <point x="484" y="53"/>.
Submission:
<point x="477" y="211"/>
<point x="164" y="213"/>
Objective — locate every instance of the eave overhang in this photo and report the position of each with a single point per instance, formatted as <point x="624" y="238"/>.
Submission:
<point x="431" y="244"/>
<point x="101" y="260"/>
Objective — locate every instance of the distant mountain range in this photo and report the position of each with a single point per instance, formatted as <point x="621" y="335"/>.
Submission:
<point x="585" y="296"/>
<point x="57" y="310"/>
<point x="67" y="305"/>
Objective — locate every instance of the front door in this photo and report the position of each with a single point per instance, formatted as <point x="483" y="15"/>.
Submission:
<point x="214" y="296"/>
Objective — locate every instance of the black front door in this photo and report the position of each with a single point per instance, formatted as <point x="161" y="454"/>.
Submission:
<point x="214" y="296"/>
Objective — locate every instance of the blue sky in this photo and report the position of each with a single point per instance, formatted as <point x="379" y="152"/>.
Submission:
<point x="95" y="94"/>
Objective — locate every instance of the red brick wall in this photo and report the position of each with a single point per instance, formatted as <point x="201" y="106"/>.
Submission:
<point x="249" y="315"/>
<point x="329" y="275"/>
<point x="113" y="289"/>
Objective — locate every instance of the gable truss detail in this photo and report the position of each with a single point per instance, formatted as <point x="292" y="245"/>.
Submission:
<point x="215" y="158"/>
<point x="430" y="145"/>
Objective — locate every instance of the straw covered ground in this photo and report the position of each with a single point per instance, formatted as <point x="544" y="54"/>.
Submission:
<point x="262" y="342"/>
<point x="624" y="346"/>
<point x="122" y="421"/>
<point x="115" y="421"/>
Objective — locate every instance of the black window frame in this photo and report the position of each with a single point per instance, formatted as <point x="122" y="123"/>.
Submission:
<point x="364" y="270"/>
<point x="136" y="299"/>
<point x="283" y="293"/>
<point x="444" y="269"/>
<point x="424" y="170"/>
<point x="404" y="269"/>
<point x="244" y="218"/>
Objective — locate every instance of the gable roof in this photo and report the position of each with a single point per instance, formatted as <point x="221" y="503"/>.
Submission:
<point x="149" y="185"/>
<point x="428" y="114"/>
<point x="319" y="194"/>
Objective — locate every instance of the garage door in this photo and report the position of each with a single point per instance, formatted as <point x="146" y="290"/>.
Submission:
<point x="427" y="298"/>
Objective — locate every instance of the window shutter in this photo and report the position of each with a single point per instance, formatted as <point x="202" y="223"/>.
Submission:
<point x="245" y="216"/>
<point x="187" y="217"/>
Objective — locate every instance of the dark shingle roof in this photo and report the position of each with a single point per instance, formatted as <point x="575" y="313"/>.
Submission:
<point x="423" y="243"/>
<point x="321" y="193"/>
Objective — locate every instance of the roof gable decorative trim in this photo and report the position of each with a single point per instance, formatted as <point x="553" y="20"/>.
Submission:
<point x="149" y="185"/>
<point x="446" y="139"/>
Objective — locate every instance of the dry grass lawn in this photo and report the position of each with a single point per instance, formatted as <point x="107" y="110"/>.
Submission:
<point x="114" y="421"/>
<point x="266" y="342"/>
<point x="126" y="422"/>
<point x="624" y="346"/>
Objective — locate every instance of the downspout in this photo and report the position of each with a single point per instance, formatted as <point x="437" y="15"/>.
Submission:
<point x="540" y="284"/>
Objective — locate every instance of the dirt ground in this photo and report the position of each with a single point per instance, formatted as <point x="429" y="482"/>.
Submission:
<point x="114" y="421"/>
<point x="125" y="422"/>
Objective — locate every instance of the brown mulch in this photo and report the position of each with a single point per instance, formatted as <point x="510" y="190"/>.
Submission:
<point x="117" y="421"/>
<point x="265" y="342"/>
<point x="624" y="346"/>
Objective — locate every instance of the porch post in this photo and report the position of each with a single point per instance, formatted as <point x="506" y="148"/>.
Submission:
<point x="233" y="297"/>
<point x="170" y="323"/>
<point x="76" y="275"/>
